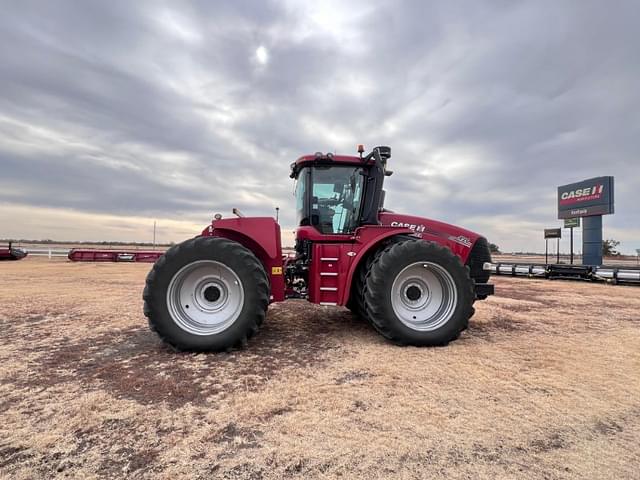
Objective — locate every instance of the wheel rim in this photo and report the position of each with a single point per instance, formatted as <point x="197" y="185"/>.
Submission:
<point x="205" y="297"/>
<point x="424" y="296"/>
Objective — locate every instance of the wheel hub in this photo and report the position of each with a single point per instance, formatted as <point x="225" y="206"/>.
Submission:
<point x="413" y="292"/>
<point x="211" y="293"/>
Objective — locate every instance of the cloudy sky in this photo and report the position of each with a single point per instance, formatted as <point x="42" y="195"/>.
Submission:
<point x="115" y="114"/>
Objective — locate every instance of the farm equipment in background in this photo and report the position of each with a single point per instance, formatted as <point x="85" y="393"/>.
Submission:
<point x="613" y="274"/>
<point x="93" y="255"/>
<point x="413" y="279"/>
<point x="11" y="253"/>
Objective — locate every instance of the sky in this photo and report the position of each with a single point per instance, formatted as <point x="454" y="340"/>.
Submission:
<point x="117" y="114"/>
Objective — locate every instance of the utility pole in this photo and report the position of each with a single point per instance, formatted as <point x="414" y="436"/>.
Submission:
<point x="154" y="234"/>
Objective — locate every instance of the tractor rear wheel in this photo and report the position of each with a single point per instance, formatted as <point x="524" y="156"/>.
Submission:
<point x="207" y="293"/>
<point x="418" y="293"/>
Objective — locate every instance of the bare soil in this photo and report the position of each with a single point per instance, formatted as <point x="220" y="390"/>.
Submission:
<point x="545" y="383"/>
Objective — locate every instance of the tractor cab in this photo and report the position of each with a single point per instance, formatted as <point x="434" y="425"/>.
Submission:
<point x="329" y="198"/>
<point x="337" y="193"/>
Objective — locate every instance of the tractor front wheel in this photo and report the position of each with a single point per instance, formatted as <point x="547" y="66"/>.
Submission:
<point x="418" y="293"/>
<point x="207" y="293"/>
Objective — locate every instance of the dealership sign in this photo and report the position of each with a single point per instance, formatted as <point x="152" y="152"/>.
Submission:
<point x="571" y="222"/>
<point x="552" y="233"/>
<point x="587" y="198"/>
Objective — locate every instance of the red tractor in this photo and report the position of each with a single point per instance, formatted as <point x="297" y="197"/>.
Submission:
<point x="413" y="279"/>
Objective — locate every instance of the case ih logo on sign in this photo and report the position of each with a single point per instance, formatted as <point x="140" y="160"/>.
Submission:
<point x="582" y="195"/>
<point x="586" y="198"/>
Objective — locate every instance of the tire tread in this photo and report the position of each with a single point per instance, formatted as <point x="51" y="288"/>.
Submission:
<point x="153" y="298"/>
<point x="374" y="288"/>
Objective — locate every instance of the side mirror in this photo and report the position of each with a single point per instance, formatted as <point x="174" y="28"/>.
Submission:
<point x="385" y="152"/>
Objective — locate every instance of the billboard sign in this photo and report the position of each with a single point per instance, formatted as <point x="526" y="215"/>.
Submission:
<point x="586" y="198"/>
<point x="552" y="233"/>
<point x="572" y="222"/>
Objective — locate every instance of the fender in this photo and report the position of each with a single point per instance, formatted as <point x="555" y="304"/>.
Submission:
<point x="367" y="238"/>
<point x="261" y="235"/>
<point x="458" y="240"/>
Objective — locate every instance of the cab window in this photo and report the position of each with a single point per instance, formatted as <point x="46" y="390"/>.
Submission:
<point x="336" y="198"/>
<point x="302" y="209"/>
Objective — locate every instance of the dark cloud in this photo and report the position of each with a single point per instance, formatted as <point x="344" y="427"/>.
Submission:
<point x="164" y="110"/>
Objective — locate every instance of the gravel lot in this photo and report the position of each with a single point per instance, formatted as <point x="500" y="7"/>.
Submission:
<point x="545" y="383"/>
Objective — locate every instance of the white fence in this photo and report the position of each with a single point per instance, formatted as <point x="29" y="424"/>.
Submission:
<point x="48" y="252"/>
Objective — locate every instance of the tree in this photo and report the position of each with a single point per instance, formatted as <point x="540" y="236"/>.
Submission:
<point x="494" y="248"/>
<point x="609" y="247"/>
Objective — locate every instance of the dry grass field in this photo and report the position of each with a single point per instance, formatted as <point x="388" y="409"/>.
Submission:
<point x="545" y="383"/>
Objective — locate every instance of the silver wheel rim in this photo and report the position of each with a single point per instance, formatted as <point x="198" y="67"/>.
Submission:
<point x="424" y="296"/>
<point x="205" y="297"/>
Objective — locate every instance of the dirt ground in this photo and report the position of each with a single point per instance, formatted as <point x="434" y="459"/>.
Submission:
<point x="545" y="383"/>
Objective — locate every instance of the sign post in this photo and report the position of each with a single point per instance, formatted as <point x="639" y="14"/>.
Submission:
<point x="590" y="199"/>
<point x="551" y="233"/>
<point x="570" y="223"/>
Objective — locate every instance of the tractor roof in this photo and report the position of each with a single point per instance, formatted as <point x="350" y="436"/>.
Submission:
<point x="320" y="158"/>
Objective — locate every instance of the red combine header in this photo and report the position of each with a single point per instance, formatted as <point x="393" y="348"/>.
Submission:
<point x="91" y="255"/>
<point x="10" y="253"/>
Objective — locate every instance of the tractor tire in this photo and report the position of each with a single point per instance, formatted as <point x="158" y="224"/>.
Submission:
<point x="206" y="294"/>
<point x="356" y="301"/>
<point x="418" y="293"/>
<point x="353" y="307"/>
<point x="357" y="291"/>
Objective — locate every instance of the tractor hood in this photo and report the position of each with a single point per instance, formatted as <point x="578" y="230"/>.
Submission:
<point x="459" y="240"/>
